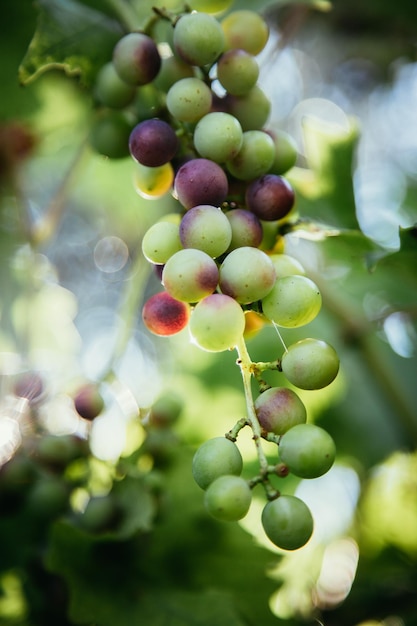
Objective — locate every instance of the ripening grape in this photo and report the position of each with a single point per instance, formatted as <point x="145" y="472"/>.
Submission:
<point x="110" y="134"/>
<point x="189" y="99"/>
<point x="246" y="229"/>
<point x="246" y="274"/>
<point x="278" y="409"/>
<point x="206" y="228"/>
<point x="111" y="90"/>
<point x="216" y="457"/>
<point x="201" y="181"/>
<point x="161" y="241"/>
<point x="198" y="38"/>
<point x="163" y="315"/>
<point x="293" y="301"/>
<point x="237" y="72"/>
<point x="88" y="401"/>
<point x="287" y="522"/>
<point x="246" y="30"/>
<point x="307" y="450"/>
<point x="153" y="182"/>
<point x="153" y="142"/>
<point x="255" y="156"/>
<point x="252" y="110"/>
<point x="310" y="364"/>
<point x="228" y="498"/>
<point x="218" y="136"/>
<point x="165" y="411"/>
<point x="286" y="265"/>
<point x="217" y="323"/>
<point x="270" y="197"/>
<point x="285" y="152"/>
<point x="136" y="59"/>
<point x="190" y="275"/>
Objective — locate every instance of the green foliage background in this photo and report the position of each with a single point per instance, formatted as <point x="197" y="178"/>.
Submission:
<point x="169" y="564"/>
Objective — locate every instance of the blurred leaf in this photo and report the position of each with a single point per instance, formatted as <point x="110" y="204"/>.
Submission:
<point x="69" y="37"/>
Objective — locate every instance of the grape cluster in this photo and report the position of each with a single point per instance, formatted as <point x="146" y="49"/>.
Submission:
<point x="194" y="120"/>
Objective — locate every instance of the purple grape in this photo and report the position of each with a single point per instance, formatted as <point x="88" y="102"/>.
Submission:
<point x="270" y="197"/>
<point x="153" y="142"/>
<point x="200" y="181"/>
<point x="163" y="315"/>
<point x="136" y="59"/>
<point x="246" y="229"/>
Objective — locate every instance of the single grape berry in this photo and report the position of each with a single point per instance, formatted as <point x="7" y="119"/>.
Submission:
<point x="307" y="450"/>
<point x="217" y="323"/>
<point x="200" y="181"/>
<point x="206" y="228"/>
<point x="161" y="241"/>
<point x="246" y="30"/>
<point x="252" y="110"/>
<point x="228" y="498"/>
<point x="110" y="133"/>
<point x="198" y="38"/>
<point x="270" y="197"/>
<point x="216" y="457"/>
<point x="246" y="229"/>
<point x="153" y="142"/>
<point x="287" y="522"/>
<point x="218" y="136"/>
<point x="237" y="71"/>
<point x="286" y="151"/>
<point x="247" y="274"/>
<point x="136" y="59"/>
<point x="286" y="265"/>
<point x="254" y="158"/>
<point x="163" y="315"/>
<point x="278" y="409"/>
<point x="166" y="410"/>
<point x="153" y="182"/>
<point x="111" y="90"/>
<point x="310" y="364"/>
<point x="189" y="99"/>
<point x="190" y="275"/>
<point x="88" y="401"/>
<point x="293" y="301"/>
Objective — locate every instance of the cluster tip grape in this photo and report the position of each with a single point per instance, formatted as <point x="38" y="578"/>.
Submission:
<point x="194" y="120"/>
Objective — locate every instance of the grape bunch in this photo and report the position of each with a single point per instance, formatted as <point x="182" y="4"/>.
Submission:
<point x="187" y="107"/>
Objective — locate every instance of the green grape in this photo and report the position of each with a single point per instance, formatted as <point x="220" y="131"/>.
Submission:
<point x="307" y="450"/>
<point x="217" y="323"/>
<point x="110" y="135"/>
<point x="136" y="59"/>
<point x="287" y="522"/>
<point x="190" y="275"/>
<point x="152" y="182"/>
<point x="218" y="136"/>
<point x="210" y="6"/>
<point x="216" y="457"/>
<point x="254" y="158"/>
<point x="278" y="409"/>
<point x="285" y="152"/>
<point x="111" y="90"/>
<point x="252" y="110"/>
<point x="148" y="103"/>
<point x="206" y="228"/>
<point x="246" y="30"/>
<point x="237" y="72"/>
<point x="189" y="99"/>
<point x="160" y="242"/>
<point x="286" y="265"/>
<point x="198" y="38"/>
<point x="246" y="274"/>
<point x="228" y="498"/>
<point x="293" y="301"/>
<point x="310" y="364"/>
<point x="172" y="70"/>
<point x="166" y="410"/>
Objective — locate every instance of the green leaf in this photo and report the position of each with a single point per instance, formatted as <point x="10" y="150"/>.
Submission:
<point x="69" y="37"/>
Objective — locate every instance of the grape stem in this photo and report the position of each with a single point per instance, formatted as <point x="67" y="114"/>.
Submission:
<point x="246" y="368"/>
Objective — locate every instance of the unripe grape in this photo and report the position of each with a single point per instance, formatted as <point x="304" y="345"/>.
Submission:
<point x="285" y="151"/>
<point x="111" y="90"/>
<point x="307" y="450"/>
<point x="310" y="364"/>
<point x="246" y="229"/>
<point x="110" y="133"/>
<point x="153" y="182"/>
<point x="246" y="274"/>
<point x="161" y="241"/>
<point x="189" y="99"/>
<point x="163" y="315"/>
<point x="286" y="265"/>
<point x="246" y="30"/>
<point x="210" y="6"/>
<point x="166" y="410"/>
<point x="218" y="136"/>
<point x="278" y="409"/>
<point x="198" y="38"/>
<point x="136" y="59"/>
<point x="252" y="110"/>
<point x="270" y="197"/>
<point x="153" y="142"/>
<point x="216" y="457"/>
<point x="190" y="275"/>
<point x="201" y="181"/>
<point x="217" y="323"/>
<point x="228" y="498"/>
<point x="254" y="158"/>
<point x="237" y="72"/>
<point x="172" y="70"/>
<point x="206" y="228"/>
<point x="287" y="522"/>
<point x="292" y="302"/>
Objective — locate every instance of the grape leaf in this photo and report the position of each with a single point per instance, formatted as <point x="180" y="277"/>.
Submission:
<point x="69" y="37"/>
